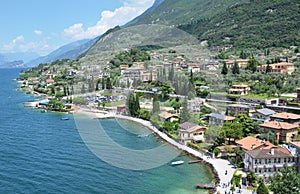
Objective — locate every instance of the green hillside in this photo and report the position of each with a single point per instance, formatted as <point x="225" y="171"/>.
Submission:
<point x="260" y="24"/>
<point x="242" y="23"/>
<point x="179" y="12"/>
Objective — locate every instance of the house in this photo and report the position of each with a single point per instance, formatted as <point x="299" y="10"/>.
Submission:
<point x="218" y="119"/>
<point x="286" y="117"/>
<point x="195" y="105"/>
<point x="267" y="162"/>
<point x="192" y="67"/>
<point x="239" y="89"/>
<point x="191" y="132"/>
<point x="263" y="115"/>
<point x="285" y="132"/>
<point x="242" y="63"/>
<point x="166" y="116"/>
<point x="278" y="68"/>
<point x="252" y="143"/>
<point x="236" y="109"/>
<point x="49" y="82"/>
<point x="146" y="77"/>
<point x="294" y="147"/>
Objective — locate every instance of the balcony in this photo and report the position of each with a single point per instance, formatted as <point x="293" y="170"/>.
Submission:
<point x="271" y="165"/>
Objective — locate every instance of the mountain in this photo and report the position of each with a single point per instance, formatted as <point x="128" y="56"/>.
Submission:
<point x="153" y="7"/>
<point x="256" y="24"/>
<point x="179" y="12"/>
<point x="24" y="56"/>
<point x="13" y="64"/>
<point x="242" y="23"/>
<point x="69" y="51"/>
<point x="5" y="62"/>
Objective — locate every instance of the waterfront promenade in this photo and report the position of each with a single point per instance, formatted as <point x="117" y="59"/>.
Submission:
<point x="220" y="165"/>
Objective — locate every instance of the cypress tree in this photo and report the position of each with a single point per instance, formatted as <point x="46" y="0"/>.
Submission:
<point x="236" y="68"/>
<point x="224" y="69"/>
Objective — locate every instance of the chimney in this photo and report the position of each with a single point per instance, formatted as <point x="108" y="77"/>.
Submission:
<point x="272" y="151"/>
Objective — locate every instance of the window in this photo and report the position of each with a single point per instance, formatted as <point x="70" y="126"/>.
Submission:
<point x="284" y="160"/>
<point x="289" y="159"/>
<point x="255" y="161"/>
<point x="269" y="160"/>
<point x="266" y="161"/>
<point x="279" y="160"/>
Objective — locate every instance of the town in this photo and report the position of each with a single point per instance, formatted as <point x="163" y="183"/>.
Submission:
<point x="241" y="106"/>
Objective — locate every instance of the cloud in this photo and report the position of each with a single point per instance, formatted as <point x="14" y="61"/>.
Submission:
<point x="19" y="44"/>
<point x="108" y="19"/>
<point x="38" y="32"/>
<point x="10" y="46"/>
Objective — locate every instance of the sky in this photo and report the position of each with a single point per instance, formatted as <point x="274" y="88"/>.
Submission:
<point x="42" y="26"/>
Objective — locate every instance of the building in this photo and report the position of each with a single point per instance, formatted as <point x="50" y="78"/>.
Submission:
<point x="252" y="143"/>
<point x="242" y="63"/>
<point x="218" y="119"/>
<point x="286" y="117"/>
<point x="49" y="82"/>
<point x="239" y="89"/>
<point x="285" y="132"/>
<point x="278" y="68"/>
<point x="294" y="147"/>
<point x="263" y="115"/>
<point x="191" y="132"/>
<point x="267" y="162"/>
<point x="236" y="109"/>
<point x="146" y="77"/>
<point x="195" y="105"/>
<point x="166" y="116"/>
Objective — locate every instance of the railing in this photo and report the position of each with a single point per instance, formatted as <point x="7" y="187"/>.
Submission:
<point x="270" y="165"/>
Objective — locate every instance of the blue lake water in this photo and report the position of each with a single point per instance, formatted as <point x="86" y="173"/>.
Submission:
<point x="40" y="153"/>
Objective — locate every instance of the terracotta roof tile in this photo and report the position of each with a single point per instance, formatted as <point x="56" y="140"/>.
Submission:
<point x="285" y="115"/>
<point x="279" y="125"/>
<point x="252" y="143"/>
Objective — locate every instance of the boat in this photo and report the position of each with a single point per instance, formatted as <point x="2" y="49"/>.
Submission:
<point x="65" y="118"/>
<point x="177" y="162"/>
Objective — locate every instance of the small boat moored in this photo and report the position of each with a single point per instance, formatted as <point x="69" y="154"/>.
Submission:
<point x="177" y="162"/>
<point x="65" y="118"/>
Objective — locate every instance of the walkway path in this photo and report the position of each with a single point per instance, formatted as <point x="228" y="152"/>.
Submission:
<point x="219" y="165"/>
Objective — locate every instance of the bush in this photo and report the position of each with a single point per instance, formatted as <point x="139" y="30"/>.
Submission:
<point x="193" y="145"/>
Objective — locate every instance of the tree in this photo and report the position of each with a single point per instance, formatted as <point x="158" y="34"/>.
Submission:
<point x="268" y="69"/>
<point x="287" y="181"/>
<point x="185" y="114"/>
<point x="132" y="104"/>
<point x="247" y="124"/>
<point x="108" y="83"/>
<point x="251" y="178"/>
<point x="224" y="69"/>
<point x="155" y="105"/>
<point x="212" y="133"/>
<point x="262" y="189"/>
<point x="236" y="68"/>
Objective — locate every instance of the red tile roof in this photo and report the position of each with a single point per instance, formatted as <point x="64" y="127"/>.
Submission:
<point x="279" y="125"/>
<point x="286" y="115"/>
<point x="252" y="143"/>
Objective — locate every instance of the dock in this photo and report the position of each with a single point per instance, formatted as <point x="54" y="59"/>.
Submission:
<point x="195" y="161"/>
<point x="205" y="186"/>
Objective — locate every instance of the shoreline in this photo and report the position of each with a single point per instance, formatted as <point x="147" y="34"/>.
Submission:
<point x="217" y="167"/>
